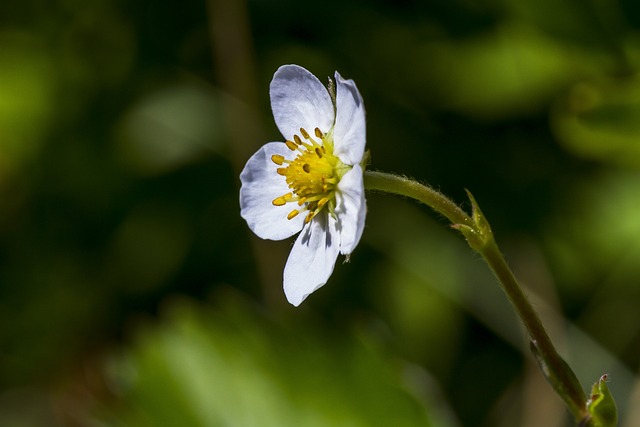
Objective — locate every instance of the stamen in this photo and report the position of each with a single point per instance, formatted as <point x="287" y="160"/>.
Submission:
<point x="277" y="159"/>
<point x="309" y="217"/>
<point x="293" y="214"/>
<point x="318" y="133"/>
<point x="279" y="201"/>
<point x="322" y="202"/>
<point x="306" y="145"/>
<point x="291" y="145"/>
<point x="304" y="133"/>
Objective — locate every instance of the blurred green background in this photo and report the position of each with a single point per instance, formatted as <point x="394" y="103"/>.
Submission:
<point x="133" y="294"/>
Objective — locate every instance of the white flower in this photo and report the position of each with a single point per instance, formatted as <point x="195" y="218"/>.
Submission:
<point x="313" y="181"/>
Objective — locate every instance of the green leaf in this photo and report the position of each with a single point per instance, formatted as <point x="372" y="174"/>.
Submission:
<point x="601" y="406"/>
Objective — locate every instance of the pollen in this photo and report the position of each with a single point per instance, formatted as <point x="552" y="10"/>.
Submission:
<point x="312" y="175"/>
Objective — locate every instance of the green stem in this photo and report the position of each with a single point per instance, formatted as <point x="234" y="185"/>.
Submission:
<point x="389" y="183"/>
<point x="559" y="374"/>
<point x="479" y="236"/>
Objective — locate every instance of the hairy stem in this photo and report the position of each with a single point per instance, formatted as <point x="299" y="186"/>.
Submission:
<point x="395" y="184"/>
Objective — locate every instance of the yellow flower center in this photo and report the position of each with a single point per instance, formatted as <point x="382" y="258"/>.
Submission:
<point x="312" y="176"/>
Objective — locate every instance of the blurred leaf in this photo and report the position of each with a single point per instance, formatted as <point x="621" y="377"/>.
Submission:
<point x="235" y="368"/>
<point x="595" y="23"/>
<point x="594" y="234"/>
<point x="512" y="70"/>
<point x="170" y="127"/>
<point x="601" y="120"/>
<point x="27" y="87"/>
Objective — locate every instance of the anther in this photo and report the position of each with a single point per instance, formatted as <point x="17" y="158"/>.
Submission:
<point x="293" y="214"/>
<point x="282" y="171"/>
<point x="306" y="167"/>
<point x="309" y="217"/>
<point x="304" y="133"/>
<point x="297" y="139"/>
<point x="318" y="152"/>
<point x="318" y="133"/>
<point x="279" y="201"/>
<point x="292" y="145"/>
<point x="323" y="202"/>
<point x="277" y="159"/>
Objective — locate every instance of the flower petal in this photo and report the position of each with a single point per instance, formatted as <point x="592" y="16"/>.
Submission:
<point x="349" y="134"/>
<point x="312" y="259"/>
<point x="351" y="209"/>
<point x="299" y="100"/>
<point x="260" y="185"/>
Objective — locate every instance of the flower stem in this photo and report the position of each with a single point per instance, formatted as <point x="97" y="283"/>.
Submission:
<point x="390" y="183"/>
<point x="478" y="233"/>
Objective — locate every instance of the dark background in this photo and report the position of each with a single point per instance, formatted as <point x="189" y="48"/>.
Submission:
<point x="132" y="293"/>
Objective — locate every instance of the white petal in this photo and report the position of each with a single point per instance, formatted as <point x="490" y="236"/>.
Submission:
<point x="299" y="100"/>
<point x="349" y="135"/>
<point x="260" y="185"/>
<point x="312" y="259"/>
<point x="351" y="209"/>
